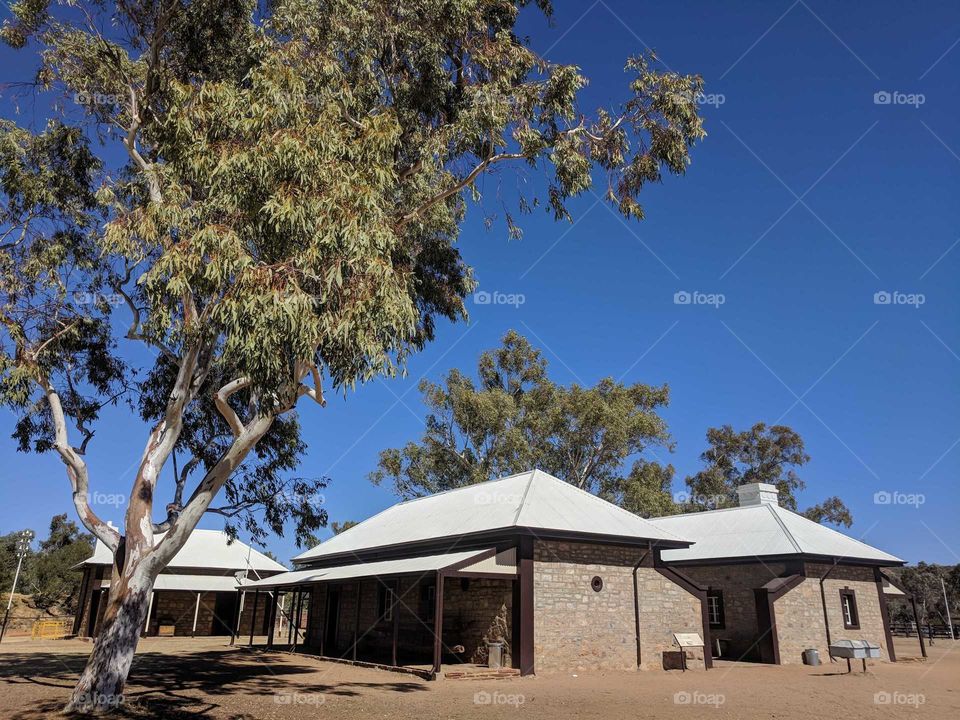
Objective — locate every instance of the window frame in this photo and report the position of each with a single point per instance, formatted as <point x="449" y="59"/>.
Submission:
<point x="848" y="599"/>
<point x="717" y="595"/>
<point x="385" y="602"/>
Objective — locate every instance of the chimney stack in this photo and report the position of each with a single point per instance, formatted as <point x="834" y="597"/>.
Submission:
<point x="757" y="494"/>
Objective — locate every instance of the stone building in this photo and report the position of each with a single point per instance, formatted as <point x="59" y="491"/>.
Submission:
<point x="195" y="595"/>
<point x="778" y="583"/>
<point x="559" y="578"/>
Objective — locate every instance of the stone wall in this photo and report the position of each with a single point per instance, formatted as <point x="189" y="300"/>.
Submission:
<point x="800" y="623"/>
<point x="578" y="628"/>
<point x="740" y="632"/>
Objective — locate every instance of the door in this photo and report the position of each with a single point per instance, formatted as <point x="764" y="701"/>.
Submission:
<point x="94" y="612"/>
<point x="224" y="613"/>
<point x="766" y="642"/>
<point x="331" y="621"/>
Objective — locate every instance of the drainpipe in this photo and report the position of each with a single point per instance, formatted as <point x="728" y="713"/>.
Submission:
<point x="636" y="600"/>
<point x="823" y="599"/>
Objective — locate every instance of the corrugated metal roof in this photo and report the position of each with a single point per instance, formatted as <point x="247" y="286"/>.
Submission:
<point x="205" y="549"/>
<point x="424" y="564"/>
<point x="761" y="530"/>
<point x="194" y="583"/>
<point x="533" y="499"/>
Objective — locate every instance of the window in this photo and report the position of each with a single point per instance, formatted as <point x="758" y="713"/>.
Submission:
<point x="715" y="609"/>
<point x="848" y="605"/>
<point x="384" y="603"/>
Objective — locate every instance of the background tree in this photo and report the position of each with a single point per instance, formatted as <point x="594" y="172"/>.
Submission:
<point x="53" y="581"/>
<point x="923" y="581"/>
<point x="296" y="175"/>
<point x="339" y="527"/>
<point x="760" y="454"/>
<point x="513" y="418"/>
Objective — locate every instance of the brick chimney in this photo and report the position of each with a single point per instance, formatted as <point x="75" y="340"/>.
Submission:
<point x="757" y="494"/>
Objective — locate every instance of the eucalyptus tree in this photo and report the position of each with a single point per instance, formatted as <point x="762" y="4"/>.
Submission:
<point x="514" y="417"/>
<point x="759" y="454"/>
<point x="283" y="225"/>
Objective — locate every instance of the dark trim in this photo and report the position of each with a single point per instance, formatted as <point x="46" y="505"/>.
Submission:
<point x="481" y="575"/>
<point x="823" y="600"/>
<point x="274" y="603"/>
<point x="525" y="652"/>
<point x="678" y="578"/>
<point x="854" y="624"/>
<point x="916" y="622"/>
<point x="885" y="615"/>
<point x="396" y="619"/>
<point x="793" y="557"/>
<point x="636" y="604"/>
<point x="503" y="538"/>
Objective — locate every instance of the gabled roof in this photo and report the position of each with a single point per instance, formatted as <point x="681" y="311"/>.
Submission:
<point x="532" y="500"/>
<point x="205" y="549"/>
<point x="759" y="531"/>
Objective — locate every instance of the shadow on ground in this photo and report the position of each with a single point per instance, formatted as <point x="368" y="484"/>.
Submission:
<point x="177" y="687"/>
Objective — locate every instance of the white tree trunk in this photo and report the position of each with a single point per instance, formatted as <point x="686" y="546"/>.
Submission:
<point x="100" y="687"/>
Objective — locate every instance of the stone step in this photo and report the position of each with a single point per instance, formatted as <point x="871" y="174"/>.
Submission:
<point x="482" y="674"/>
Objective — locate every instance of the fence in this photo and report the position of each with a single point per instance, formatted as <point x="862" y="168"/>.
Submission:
<point x="929" y="631"/>
<point x="52" y="629"/>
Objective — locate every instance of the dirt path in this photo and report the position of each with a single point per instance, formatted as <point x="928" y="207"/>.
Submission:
<point x="176" y="679"/>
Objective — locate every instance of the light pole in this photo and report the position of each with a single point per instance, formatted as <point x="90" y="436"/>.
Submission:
<point x="23" y="547"/>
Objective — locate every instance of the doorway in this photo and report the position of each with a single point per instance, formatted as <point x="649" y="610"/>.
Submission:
<point x="766" y="642"/>
<point x="224" y="612"/>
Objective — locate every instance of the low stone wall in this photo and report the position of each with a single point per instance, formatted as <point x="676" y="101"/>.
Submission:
<point x="578" y="628"/>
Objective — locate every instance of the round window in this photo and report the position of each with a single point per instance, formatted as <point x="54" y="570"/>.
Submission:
<point x="597" y="583"/>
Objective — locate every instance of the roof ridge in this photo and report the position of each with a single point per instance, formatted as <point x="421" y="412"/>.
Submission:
<point x="703" y="512"/>
<point x="607" y="502"/>
<point x="783" y="526"/>
<point x="523" y="499"/>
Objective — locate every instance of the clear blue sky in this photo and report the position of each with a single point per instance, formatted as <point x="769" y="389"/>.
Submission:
<point x="805" y="200"/>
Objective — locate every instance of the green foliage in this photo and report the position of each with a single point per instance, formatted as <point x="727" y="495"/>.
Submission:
<point x="339" y="527"/>
<point x="757" y="455"/>
<point x="53" y="579"/>
<point x="514" y="418"/>
<point x="296" y="177"/>
<point x="923" y="582"/>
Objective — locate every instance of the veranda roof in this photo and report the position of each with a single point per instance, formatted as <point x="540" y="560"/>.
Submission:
<point x="532" y="500"/>
<point x="192" y="583"/>
<point x="389" y="568"/>
<point x="763" y="530"/>
<point x="209" y="549"/>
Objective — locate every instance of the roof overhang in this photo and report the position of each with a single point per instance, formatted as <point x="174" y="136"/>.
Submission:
<point x="192" y="583"/>
<point x="486" y="562"/>
<point x="499" y="537"/>
<point x="806" y="557"/>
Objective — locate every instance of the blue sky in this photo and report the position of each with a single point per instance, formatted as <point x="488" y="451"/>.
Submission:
<point x="807" y="198"/>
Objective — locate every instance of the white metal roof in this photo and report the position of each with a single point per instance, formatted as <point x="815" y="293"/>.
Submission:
<point x="762" y="530"/>
<point x="424" y="564"/>
<point x="194" y="583"/>
<point x="533" y="499"/>
<point x="205" y="549"/>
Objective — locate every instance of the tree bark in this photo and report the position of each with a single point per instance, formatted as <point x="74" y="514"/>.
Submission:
<point x="100" y="687"/>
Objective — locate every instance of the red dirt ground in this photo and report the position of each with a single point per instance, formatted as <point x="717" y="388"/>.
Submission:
<point x="177" y="678"/>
